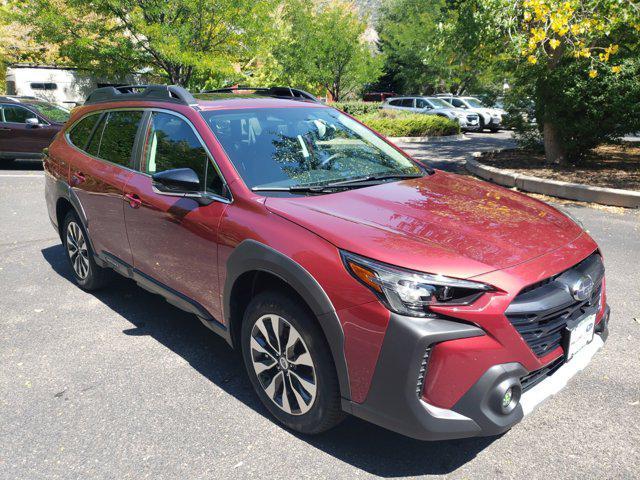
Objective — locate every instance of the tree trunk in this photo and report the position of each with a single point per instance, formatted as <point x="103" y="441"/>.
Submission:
<point x="554" y="150"/>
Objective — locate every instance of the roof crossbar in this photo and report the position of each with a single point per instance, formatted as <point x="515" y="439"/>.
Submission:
<point x="165" y="93"/>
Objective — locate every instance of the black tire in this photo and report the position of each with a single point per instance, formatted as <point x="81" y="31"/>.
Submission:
<point x="91" y="276"/>
<point x="325" y="411"/>
<point x="494" y="130"/>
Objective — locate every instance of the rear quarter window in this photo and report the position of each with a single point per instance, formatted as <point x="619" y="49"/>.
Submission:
<point x="81" y="131"/>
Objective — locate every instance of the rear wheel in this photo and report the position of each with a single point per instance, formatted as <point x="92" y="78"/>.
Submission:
<point x="289" y="364"/>
<point x="87" y="274"/>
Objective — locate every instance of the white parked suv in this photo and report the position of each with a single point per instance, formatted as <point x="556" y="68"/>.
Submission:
<point x="435" y="106"/>
<point x="490" y="118"/>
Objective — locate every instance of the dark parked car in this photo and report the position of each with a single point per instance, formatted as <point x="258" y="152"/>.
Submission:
<point x="352" y="278"/>
<point x="28" y="125"/>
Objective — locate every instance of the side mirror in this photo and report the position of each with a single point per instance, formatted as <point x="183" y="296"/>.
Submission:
<point x="177" y="181"/>
<point x="32" y="122"/>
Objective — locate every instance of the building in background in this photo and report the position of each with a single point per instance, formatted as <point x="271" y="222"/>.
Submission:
<point x="66" y="87"/>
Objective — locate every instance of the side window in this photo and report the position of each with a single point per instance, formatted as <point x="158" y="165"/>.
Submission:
<point x="407" y="102"/>
<point x="81" y="132"/>
<point x="15" y="114"/>
<point x="458" y="103"/>
<point x="421" y="103"/>
<point x="395" y="103"/>
<point x="118" y="136"/>
<point x="171" y="143"/>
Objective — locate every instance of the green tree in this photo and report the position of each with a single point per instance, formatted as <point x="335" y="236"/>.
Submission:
<point x="320" y="47"/>
<point x="437" y="45"/>
<point x="178" y="40"/>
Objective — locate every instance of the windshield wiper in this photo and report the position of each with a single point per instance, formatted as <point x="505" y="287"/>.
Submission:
<point x="333" y="186"/>
<point x="297" y="189"/>
<point x="373" y="178"/>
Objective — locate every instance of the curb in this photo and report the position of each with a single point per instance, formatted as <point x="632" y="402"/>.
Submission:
<point x="444" y="138"/>
<point x="555" y="188"/>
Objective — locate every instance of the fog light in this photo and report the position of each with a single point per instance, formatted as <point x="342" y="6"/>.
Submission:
<point x="506" y="399"/>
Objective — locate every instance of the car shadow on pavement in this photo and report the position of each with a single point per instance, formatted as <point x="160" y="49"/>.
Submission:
<point x="361" y="444"/>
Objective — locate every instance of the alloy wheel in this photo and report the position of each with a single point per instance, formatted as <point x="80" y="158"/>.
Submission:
<point x="283" y="364"/>
<point x="77" y="250"/>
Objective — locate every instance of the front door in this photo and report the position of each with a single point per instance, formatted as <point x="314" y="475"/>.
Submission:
<point x="99" y="173"/>
<point x="174" y="239"/>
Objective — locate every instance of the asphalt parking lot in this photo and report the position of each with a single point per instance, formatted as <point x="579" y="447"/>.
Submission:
<point x="120" y="384"/>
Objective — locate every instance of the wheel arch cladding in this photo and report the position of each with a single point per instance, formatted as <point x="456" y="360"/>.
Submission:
<point x="252" y="256"/>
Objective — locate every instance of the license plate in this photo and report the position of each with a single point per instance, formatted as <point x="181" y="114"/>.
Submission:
<point x="580" y="334"/>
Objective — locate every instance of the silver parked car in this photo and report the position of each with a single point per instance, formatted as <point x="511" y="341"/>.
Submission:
<point x="490" y="118"/>
<point x="434" y="106"/>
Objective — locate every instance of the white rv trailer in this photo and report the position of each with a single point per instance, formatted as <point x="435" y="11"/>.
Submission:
<point x="67" y="87"/>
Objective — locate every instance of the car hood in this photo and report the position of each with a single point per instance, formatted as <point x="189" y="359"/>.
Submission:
<point x="441" y="223"/>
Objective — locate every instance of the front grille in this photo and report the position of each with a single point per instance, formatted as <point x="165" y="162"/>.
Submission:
<point x="471" y="118"/>
<point x="530" y="380"/>
<point x="541" y="311"/>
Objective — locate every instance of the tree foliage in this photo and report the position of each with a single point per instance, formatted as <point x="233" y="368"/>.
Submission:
<point x="319" y="46"/>
<point x="438" y="46"/>
<point x="178" y="40"/>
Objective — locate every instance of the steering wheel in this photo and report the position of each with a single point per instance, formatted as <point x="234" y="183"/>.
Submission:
<point x="331" y="158"/>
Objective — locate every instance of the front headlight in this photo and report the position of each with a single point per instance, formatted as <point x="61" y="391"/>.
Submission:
<point x="409" y="292"/>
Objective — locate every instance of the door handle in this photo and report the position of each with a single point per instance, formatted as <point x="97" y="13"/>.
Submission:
<point x="77" y="178"/>
<point x="133" y="199"/>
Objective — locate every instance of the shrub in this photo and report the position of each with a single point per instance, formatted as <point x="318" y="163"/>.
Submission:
<point x="399" y="124"/>
<point x="357" y="108"/>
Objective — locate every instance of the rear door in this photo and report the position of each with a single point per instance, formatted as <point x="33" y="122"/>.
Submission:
<point x="99" y="171"/>
<point x="174" y="239"/>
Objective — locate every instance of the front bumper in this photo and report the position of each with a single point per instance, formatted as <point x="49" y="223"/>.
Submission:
<point x="395" y="397"/>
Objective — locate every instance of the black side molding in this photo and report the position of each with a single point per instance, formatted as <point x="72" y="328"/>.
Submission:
<point x="170" y="295"/>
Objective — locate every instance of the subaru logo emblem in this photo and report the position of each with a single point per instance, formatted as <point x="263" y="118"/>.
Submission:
<point x="581" y="288"/>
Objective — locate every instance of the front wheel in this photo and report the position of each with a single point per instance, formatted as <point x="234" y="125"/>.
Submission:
<point x="289" y="364"/>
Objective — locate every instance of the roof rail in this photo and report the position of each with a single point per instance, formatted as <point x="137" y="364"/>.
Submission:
<point x="164" y="93"/>
<point x="278" y="92"/>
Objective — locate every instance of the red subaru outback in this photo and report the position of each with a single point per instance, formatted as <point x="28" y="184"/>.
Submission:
<point x="351" y="278"/>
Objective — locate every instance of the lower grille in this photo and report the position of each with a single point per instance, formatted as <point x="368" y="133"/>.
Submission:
<point x="540" y="312"/>
<point x="423" y="371"/>
<point x="532" y="379"/>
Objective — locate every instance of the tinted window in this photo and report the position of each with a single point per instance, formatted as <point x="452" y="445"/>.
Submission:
<point x="395" y="103"/>
<point x="44" y="86"/>
<point x="457" y="103"/>
<point x="421" y="103"/>
<point x="407" y="102"/>
<point x="118" y="136"/>
<point x="171" y="143"/>
<point x="81" y="132"/>
<point x="17" y="114"/>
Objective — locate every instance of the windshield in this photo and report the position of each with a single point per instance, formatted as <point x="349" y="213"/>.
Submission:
<point x="51" y="111"/>
<point x="293" y="147"/>
<point x="474" y="103"/>
<point x="438" y="103"/>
